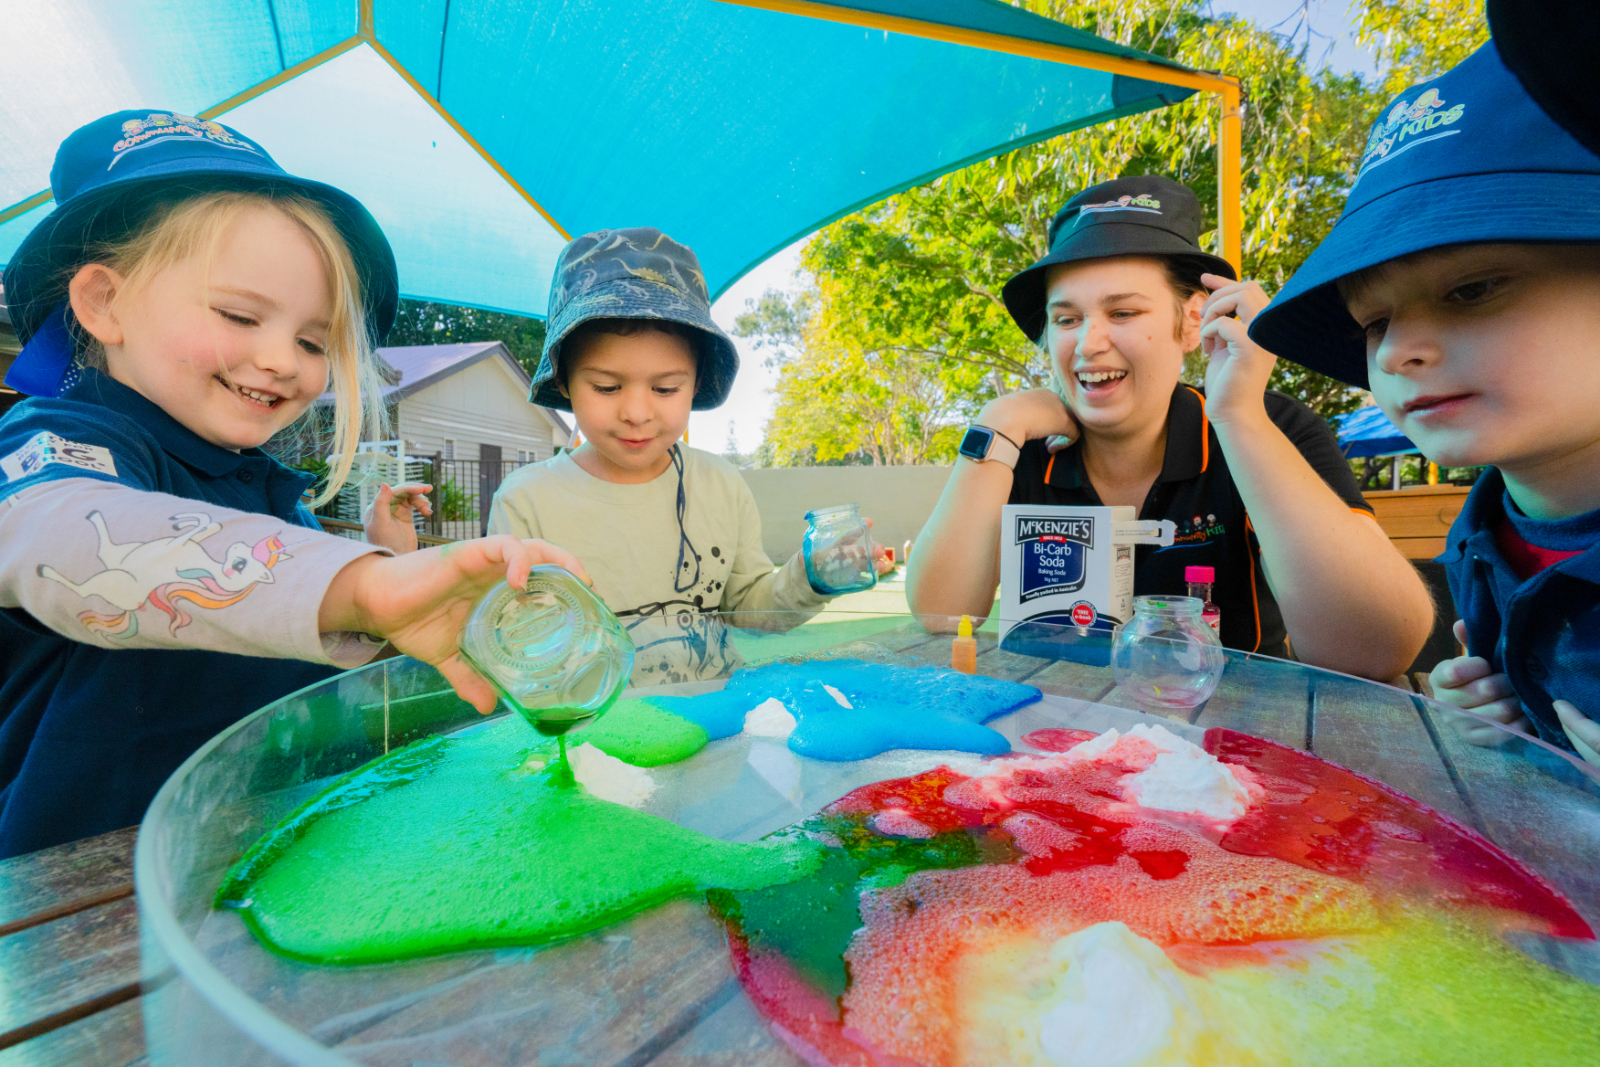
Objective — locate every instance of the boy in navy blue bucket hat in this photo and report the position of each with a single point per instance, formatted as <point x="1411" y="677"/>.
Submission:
<point x="1462" y="286"/>
<point x="669" y="534"/>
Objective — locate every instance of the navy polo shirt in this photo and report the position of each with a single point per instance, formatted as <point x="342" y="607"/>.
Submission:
<point x="1542" y="633"/>
<point x="87" y="734"/>
<point x="1195" y="490"/>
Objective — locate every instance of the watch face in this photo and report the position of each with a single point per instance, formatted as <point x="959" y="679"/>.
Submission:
<point x="975" y="444"/>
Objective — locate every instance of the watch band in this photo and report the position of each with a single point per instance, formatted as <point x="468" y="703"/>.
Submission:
<point x="999" y="448"/>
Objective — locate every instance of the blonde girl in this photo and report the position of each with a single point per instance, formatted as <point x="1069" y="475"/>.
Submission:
<point x="161" y="575"/>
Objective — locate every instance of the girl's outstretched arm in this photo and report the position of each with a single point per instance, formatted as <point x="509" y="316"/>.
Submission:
<point x="421" y="600"/>
<point x="101" y="562"/>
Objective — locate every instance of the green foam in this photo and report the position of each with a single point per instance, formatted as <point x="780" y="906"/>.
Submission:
<point x="638" y="732"/>
<point x="451" y="843"/>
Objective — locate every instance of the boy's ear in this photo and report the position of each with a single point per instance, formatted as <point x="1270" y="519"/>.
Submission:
<point x="561" y="385"/>
<point x="93" y="294"/>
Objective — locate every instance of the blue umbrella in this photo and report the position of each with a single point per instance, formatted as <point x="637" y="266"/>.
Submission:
<point x="483" y="133"/>
<point x="1368" y="432"/>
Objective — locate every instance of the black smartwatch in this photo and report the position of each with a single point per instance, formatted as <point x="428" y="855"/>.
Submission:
<point x="983" y="444"/>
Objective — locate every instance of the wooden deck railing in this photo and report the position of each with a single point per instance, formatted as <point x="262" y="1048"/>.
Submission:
<point x="1417" y="519"/>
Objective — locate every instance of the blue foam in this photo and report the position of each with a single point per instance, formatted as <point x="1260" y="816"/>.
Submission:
<point x="892" y="707"/>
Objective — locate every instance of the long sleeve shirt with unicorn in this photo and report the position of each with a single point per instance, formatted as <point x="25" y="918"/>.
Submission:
<point x="154" y="589"/>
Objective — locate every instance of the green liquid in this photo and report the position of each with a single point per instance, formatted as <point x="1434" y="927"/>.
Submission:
<point x="455" y="843"/>
<point x="556" y="722"/>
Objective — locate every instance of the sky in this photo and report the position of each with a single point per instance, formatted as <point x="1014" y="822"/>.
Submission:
<point x="749" y="405"/>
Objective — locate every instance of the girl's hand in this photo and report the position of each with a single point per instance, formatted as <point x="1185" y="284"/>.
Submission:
<point x="420" y="601"/>
<point x="1029" y="415"/>
<point x="388" y="522"/>
<point x="1466" y="683"/>
<point x="1236" y="377"/>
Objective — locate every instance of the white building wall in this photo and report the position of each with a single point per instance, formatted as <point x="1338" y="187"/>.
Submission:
<point x="484" y="404"/>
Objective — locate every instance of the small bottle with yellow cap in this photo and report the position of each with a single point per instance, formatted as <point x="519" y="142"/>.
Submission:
<point x="964" y="649"/>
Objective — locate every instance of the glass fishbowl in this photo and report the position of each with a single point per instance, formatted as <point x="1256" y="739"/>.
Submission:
<point x="671" y="984"/>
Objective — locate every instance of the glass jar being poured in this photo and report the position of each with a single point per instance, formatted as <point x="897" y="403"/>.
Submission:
<point x="553" y="650"/>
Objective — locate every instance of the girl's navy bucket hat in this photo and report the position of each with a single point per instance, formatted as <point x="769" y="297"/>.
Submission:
<point x="1467" y="158"/>
<point x="101" y="169"/>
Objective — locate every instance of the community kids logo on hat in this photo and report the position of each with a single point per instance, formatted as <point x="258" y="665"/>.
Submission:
<point x="1406" y="121"/>
<point x="1124" y="203"/>
<point x="160" y="126"/>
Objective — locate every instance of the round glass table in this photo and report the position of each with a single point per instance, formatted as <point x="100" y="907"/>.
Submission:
<point x="658" y="988"/>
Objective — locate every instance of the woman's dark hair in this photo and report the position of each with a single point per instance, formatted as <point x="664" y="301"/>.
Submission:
<point x="585" y="333"/>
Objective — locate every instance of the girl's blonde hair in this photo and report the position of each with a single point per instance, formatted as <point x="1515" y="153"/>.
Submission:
<point x="172" y="229"/>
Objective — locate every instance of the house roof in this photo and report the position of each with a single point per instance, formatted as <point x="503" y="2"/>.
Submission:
<point x="415" y="367"/>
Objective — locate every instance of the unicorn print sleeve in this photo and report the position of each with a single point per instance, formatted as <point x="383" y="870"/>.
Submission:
<point x="117" y="567"/>
<point x="116" y="530"/>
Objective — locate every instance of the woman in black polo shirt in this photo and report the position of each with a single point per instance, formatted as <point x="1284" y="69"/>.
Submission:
<point x="1253" y="480"/>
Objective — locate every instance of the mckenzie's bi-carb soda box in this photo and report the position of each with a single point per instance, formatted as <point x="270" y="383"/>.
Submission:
<point x="1068" y="571"/>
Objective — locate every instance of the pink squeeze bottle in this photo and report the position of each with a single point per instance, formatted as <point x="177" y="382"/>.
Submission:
<point x="1200" y="580"/>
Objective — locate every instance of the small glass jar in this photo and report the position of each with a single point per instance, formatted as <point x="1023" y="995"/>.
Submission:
<point x="838" y="551"/>
<point x="1166" y="655"/>
<point x="554" y="650"/>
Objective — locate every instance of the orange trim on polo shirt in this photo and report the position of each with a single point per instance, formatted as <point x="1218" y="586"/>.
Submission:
<point x="1255" y="598"/>
<point x="1205" y="443"/>
<point x="1049" y="467"/>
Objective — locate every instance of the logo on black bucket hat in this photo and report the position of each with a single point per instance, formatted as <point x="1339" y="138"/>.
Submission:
<point x="1467" y="158"/>
<point x="1142" y="216"/>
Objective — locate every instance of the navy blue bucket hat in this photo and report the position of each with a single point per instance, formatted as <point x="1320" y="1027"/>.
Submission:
<point x="637" y="273"/>
<point x="1146" y="215"/>
<point x="1467" y="158"/>
<point x="107" y="175"/>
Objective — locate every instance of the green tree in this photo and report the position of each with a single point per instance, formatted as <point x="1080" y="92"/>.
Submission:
<point x="1414" y="40"/>
<point x="421" y="322"/>
<point x="913" y="284"/>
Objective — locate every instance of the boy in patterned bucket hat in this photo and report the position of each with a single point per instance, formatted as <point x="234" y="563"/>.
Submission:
<point x="670" y="534"/>
<point x="1461" y="285"/>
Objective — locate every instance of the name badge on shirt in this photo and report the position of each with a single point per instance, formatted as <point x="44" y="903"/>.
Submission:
<point x="45" y="448"/>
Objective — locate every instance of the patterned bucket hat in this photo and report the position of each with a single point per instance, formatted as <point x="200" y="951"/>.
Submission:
<point x="637" y="273"/>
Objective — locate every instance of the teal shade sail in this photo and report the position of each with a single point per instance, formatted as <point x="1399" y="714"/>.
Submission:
<point x="482" y="133"/>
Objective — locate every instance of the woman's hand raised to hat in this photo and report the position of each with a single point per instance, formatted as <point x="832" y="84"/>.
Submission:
<point x="1238" y="368"/>
<point x="1031" y="414"/>
<point x="421" y="600"/>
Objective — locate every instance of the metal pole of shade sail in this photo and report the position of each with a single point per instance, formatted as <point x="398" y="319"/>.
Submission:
<point x="1230" y="185"/>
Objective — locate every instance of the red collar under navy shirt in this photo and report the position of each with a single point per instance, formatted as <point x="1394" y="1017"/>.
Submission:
<point x="1195" y="490"/>
<point x="1531" y="545"/>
